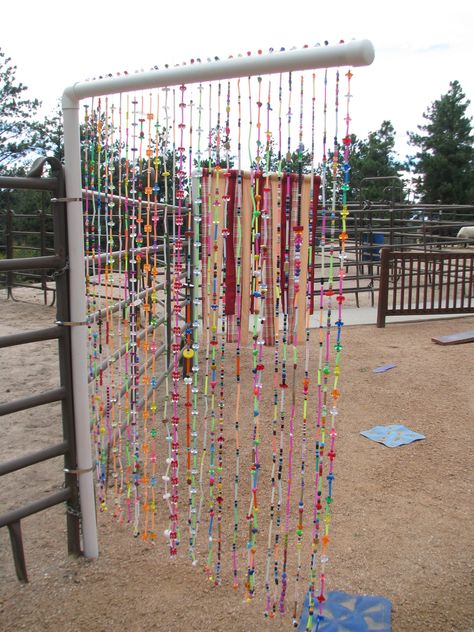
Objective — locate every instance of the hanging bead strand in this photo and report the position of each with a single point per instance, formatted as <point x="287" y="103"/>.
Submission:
<point x="238" y="299"/>
<point x="306" y="381"/>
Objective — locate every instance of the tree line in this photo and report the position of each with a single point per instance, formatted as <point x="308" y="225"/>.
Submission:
<point x="441" y="167"/>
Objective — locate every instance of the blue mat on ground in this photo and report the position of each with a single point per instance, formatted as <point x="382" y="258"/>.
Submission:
<point x="383" y="368"/>
<point x="392" y="436"/>
<point x="350" y="613"/>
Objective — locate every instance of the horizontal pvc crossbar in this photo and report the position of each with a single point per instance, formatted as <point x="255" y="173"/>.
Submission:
<point x="356" y="53"/>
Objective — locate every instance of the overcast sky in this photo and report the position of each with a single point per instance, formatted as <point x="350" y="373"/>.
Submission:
<point x="420" y="45"/>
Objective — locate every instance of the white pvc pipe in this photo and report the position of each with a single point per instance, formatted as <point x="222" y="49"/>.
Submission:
<point x="356" y="53"/>
<point x="78" y="307"/>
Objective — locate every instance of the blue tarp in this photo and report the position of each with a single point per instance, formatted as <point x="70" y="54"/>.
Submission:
<point x="350" y="613"/>
<point x="383" y="368"/>
<point x="392" y="436"/>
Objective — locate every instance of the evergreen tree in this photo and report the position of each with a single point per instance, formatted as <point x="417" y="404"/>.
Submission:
<point x="444" y="161"/>
<point x="51" y="140"/>
<point x="271" y="161"/>
<point x="375" y="157"/>
<point x="19" y="132"/>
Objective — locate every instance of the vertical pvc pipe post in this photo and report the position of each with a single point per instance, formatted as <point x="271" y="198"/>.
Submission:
<point x="78" y="306"/>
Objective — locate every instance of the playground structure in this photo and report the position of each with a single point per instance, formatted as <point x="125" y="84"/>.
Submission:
<point x="152" y="279"/>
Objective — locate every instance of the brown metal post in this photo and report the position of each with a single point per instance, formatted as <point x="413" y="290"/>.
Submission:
<point x="14" y="529"/>
<point x="383" y="286"/>
<point x="65" y="370"/>
<point x="42" y="246"/>
<point x="9" y="249"/>
<point x="65" y="367"/>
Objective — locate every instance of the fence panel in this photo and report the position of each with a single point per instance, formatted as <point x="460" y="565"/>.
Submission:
<point x="437" y="282"/>
<point x="58" y="262"/>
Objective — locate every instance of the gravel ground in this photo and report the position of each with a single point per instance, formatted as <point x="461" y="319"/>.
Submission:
<point x="402" y="521"/>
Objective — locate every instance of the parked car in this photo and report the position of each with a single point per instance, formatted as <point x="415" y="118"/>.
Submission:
<point x="422" y="215"/>
<point x="433" y="223"/>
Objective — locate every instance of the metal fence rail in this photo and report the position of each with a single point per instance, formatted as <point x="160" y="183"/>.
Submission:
<point x="425" y="283"/>
<point x="58" y="264"/>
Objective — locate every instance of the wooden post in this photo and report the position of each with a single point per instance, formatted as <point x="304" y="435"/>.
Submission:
<point x="383" y="287"/>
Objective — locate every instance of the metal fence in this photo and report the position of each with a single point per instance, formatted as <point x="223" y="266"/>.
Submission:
<point x="57" y="263"/>
<point x="371" y="228"/>
<point x="23" y="235"/>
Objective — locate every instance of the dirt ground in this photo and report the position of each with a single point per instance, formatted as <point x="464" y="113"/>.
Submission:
<point x="402" y="523"/>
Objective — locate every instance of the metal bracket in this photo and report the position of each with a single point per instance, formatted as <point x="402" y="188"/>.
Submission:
<point x="78" y="472"/>
<point x="70" y="323"/>
<point x="66" y="199"/>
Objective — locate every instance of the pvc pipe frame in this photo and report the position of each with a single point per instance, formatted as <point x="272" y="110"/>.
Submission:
<point x="355" y="53"/>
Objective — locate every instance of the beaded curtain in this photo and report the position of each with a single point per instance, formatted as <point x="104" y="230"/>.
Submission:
<point x="215" y="230"/>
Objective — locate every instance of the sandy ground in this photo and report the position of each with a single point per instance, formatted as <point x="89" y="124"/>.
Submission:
<point x="402" y="523"/>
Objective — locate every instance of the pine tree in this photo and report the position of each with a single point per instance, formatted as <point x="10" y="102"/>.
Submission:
<point x="51" y="140"/>
<point x="19" y="132"/>
<point x="444" y="161"/>
<point x="375" y="157"/>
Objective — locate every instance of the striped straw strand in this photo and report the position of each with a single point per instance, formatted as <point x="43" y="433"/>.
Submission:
<point x="238" y="342"/>
<point x="283" y="305"/>
<point x="318" y="449"/>
<point x="306" y="381"/>
<point x="268" y="600"/>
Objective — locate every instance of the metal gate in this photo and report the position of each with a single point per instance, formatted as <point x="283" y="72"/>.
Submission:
<point x="57" y="266"/>
<point x="437" y="282"/>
